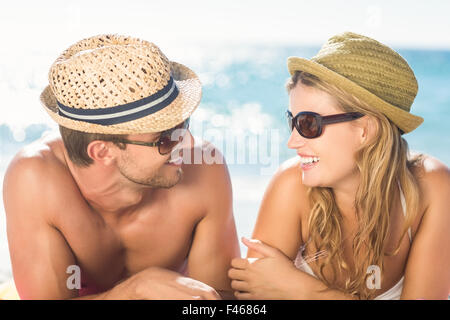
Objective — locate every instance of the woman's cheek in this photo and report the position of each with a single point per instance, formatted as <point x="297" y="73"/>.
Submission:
<point x="338" y="156"/>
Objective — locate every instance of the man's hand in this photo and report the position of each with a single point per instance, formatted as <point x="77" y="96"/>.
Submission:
<point x="161" y="284"/>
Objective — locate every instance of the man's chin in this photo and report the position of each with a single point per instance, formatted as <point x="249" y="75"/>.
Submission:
<point x="169" y="183"/>
<point x="164" y="182"/>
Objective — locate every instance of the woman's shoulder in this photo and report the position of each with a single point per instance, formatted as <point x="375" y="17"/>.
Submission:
<point x="433" y="177"/>
<point x="430" y="171"/>
<point x="286" y="183"/>
<point x="289" y="174"/>
<point x="281" y="212"/>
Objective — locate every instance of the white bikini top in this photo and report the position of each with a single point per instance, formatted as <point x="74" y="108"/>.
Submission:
<point x="393" y="293"/>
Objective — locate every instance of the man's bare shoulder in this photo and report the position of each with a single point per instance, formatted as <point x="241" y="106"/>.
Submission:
<point x="206" y="164"/>
<point x="207" y="176"/>
<point x="38" y="158"/>
<point x="36" y="171"/>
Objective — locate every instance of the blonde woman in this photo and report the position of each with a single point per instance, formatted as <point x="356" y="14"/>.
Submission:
<point x="355" y="215"/>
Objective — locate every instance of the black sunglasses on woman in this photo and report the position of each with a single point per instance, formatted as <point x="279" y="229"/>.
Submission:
<point x="310" y="124"/>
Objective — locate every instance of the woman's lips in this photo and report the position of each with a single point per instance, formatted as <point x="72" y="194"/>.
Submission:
<point x="309" y="166"/>
<point x="301" y="155"/>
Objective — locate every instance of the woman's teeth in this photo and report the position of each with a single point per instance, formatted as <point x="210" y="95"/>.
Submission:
<point x="309" y="160"/>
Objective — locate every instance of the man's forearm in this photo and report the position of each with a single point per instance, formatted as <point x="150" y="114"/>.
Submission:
<point x="121" y="291"/>
<point x="101" y="296"/>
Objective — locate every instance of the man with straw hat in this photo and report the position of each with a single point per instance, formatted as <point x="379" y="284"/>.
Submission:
<point x="109" y="209"/>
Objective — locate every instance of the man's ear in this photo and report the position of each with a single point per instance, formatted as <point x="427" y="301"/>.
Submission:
<point x="101" y="151"/>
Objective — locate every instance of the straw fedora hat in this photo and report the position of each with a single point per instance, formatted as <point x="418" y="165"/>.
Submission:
<point x="114" y="84"/>
<point x="369" y="70"/>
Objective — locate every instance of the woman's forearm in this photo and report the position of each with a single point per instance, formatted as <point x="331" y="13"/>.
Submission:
<point x="330" y="294"/>
<point x="317" y="290"/>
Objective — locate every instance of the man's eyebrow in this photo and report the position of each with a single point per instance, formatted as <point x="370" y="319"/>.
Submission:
<point x="159" y="134"/>
<point x="156" y="137"/>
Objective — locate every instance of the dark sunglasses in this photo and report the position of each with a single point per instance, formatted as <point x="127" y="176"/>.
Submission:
<point x="310" y="124"/>
<point x="165" y="143"/>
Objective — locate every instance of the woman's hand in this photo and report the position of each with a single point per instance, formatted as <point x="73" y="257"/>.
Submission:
<point x="272" y="277"/>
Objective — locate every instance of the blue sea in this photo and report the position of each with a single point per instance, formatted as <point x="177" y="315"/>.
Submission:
<point x="242" y="113"/>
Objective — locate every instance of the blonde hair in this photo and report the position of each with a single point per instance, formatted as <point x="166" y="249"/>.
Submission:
<point x="384" y="166"/>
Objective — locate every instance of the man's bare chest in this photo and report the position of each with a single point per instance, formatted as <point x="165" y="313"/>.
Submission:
<point x="152" y="237"/>
<point x="162" y="241"/>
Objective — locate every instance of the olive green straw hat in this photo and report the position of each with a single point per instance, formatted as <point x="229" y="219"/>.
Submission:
<point x="369" y="70"/>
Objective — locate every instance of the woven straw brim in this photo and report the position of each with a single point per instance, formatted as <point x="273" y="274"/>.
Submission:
<point x="406" y="121"/>
<point x="190" y="93"/>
